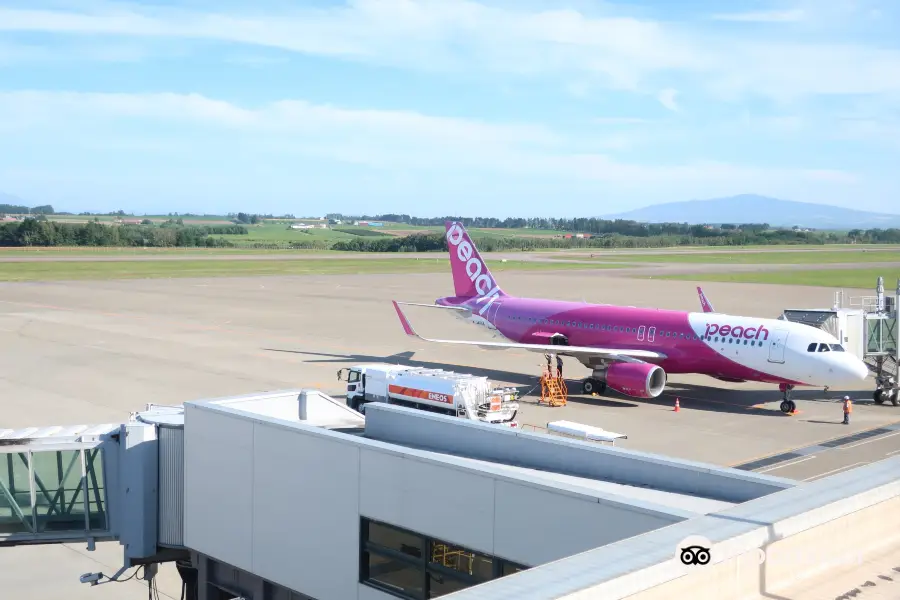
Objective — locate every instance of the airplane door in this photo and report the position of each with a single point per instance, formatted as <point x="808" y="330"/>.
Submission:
<point x="492" y="311"/>
<point x="651" y="334"/>
<point x="776" y="347"/>
<point x="641" y="333"/>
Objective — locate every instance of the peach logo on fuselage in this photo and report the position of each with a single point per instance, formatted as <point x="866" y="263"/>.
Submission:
<point x="737" y="331"/>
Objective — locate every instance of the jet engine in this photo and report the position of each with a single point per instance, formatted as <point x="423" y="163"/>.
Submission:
<point x="638" y="380"/>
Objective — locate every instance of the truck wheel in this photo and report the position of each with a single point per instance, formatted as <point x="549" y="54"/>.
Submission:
<point x="878" y="397"/>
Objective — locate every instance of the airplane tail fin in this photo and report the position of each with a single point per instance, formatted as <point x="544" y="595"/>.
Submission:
<point x="471" y="276"/>
<point x="706" y="304"/>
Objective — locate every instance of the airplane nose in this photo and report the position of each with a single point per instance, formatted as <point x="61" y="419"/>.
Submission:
<point x="854" y="371"/>
<point x="859" y="370"/>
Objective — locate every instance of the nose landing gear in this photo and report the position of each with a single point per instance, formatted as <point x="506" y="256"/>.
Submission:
<point x="886" y="391"/>
<point x="788" y="406"/>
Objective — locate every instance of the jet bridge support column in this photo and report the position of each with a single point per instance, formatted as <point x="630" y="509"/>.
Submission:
<point x="882" y="346"/>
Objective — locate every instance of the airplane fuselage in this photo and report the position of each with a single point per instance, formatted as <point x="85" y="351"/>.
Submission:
<point x="723" y="346"/>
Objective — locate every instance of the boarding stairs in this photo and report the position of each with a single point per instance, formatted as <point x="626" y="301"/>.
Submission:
<point x="553" y="390"/>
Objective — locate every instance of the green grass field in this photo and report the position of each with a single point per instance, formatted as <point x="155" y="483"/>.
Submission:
<point x="93" y="251"/>
<point x="125" y="269"/>
<point x="762" y="258"/>
<point x="831" y="278"/>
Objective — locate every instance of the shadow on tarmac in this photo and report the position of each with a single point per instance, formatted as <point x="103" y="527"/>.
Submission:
<point x="690" y="396"/>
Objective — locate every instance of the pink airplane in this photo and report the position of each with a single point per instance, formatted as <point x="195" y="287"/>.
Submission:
<point x="632" y="349"/>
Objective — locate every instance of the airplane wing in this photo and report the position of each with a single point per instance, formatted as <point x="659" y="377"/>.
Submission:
<point x="575" y="351"/>
<point x="706" y="304"/>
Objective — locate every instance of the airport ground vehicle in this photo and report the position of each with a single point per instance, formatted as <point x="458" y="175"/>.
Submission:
<point x="436" y="390"/>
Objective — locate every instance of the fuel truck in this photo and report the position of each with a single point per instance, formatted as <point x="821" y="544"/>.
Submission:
<point x="435" y="390"/>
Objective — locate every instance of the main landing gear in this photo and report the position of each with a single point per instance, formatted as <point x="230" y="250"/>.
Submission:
<point x="595" y="384"/>
<point x="788" y="406"/>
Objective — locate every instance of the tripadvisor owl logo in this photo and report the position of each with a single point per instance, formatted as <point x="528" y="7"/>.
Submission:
<point x="694" y="550"/>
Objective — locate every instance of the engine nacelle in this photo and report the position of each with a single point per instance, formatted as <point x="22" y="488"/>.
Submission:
<point x="638" y="380"/>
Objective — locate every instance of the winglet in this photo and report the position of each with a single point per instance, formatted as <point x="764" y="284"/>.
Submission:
<point x="707" y="306"/>
<point x="407" y="328"/>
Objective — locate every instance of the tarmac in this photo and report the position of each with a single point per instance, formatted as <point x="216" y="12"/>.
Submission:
<point x="93" y="351"/>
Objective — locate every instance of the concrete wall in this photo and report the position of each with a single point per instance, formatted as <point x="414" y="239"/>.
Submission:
<point x="585" y="459"/>
<point x="779" y="542"/>
<point x="830" y="549"/>
<point x="282" y="500"/>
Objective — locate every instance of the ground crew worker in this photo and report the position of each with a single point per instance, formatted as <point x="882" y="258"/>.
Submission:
<point x="848" y="408"/>
<point x="558" y="367"/>
<point x="549" y="365"/>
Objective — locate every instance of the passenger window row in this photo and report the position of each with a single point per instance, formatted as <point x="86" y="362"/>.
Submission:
<point x="732" y="340"/>
<point x="602" y="327"/>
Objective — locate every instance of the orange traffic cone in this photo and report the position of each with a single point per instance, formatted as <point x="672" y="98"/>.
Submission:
<point x="677" y="405"/>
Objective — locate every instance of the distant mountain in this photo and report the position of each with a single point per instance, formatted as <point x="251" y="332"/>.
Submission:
<point x="749" y="208"/>
<point x="10" y="199"/>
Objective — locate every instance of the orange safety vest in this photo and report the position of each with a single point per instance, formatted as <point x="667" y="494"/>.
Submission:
<point x="848" y="406"/>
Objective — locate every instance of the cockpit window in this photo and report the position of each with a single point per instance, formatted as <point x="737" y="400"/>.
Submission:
<point x="823" y="347"/>
<point x="837" y="347"/>
<point x="812" y="347"/>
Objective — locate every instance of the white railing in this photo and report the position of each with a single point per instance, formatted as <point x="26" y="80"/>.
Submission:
<point x="867" y="303"/>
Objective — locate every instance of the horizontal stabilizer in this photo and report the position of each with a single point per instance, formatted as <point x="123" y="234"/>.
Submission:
<point x="459" y="309"/>
<point x="622" y="354"/>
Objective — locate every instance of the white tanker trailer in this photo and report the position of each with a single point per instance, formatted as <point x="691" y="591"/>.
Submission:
<point x="436" y="390"/>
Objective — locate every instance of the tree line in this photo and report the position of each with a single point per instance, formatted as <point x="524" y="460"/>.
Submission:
<point x="582" y="225"/>
<point x="16" y="209"/>
<point x="437" y="242"/>
<point x="41" y="232"/>
<point x="38" y="231"/>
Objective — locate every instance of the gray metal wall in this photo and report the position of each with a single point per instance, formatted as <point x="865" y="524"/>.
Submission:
<point x="573" y="457"/>
<point x="171" y="486"/>
<point x="283" y="500"/>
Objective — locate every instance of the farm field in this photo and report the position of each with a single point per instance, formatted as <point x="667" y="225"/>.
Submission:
<point x="832" y="278"/>
<point x="346" y="264"/>
<point x="752" y="258"/>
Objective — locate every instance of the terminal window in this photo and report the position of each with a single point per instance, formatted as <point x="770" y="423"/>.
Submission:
<point x="410" y="565"/>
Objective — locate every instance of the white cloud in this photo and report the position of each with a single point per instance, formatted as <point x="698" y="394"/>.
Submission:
<point x="770" y="16"/>
<point x="403" y="32"/>
<point x="288" y="116"/>
<point x="399" y="141"/>
<point x="666" y="97"/>
<point x="463" y="35"/>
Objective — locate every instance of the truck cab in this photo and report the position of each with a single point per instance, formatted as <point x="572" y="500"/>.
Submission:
<point x="361" y="389"/>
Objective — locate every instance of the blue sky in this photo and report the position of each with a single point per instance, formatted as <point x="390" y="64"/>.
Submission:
<point x="433" y="107"/>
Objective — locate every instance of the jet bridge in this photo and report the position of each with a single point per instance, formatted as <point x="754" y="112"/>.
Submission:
<point x="97" y="483"/>
<point x="52" y="484"/>
<point x="123" y="482"/>
<point x="867" y="326"/>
